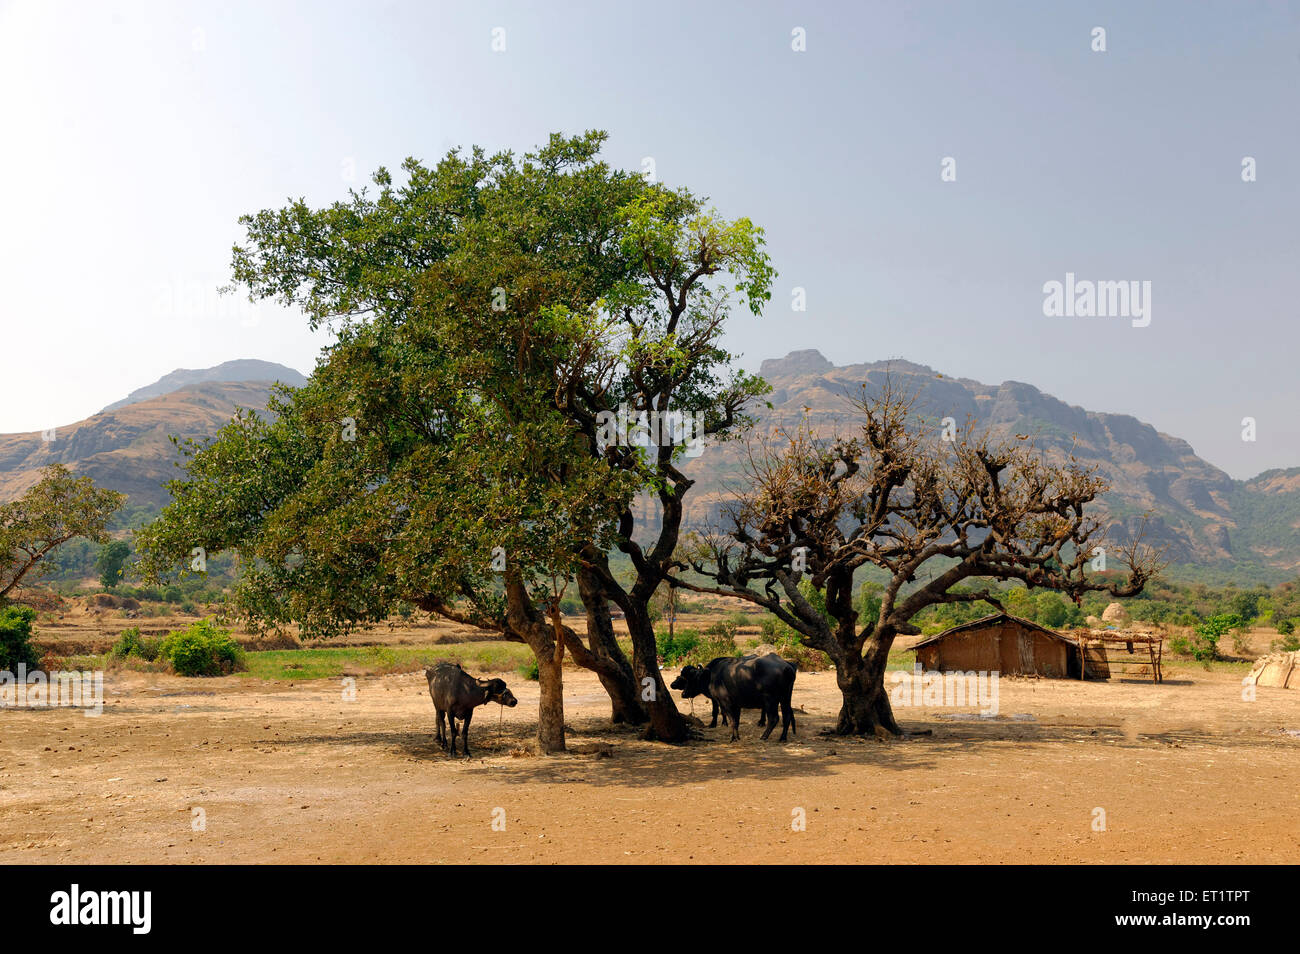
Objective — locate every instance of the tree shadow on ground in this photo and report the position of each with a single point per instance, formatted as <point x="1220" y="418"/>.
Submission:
<point x="603" y="754"/>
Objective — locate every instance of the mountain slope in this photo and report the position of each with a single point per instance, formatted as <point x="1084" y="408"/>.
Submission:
<point x="1200" y="513"/>
<point x="128" y="449"/>
<point x="243" y="369"/>
<point x="1207" y="520"/>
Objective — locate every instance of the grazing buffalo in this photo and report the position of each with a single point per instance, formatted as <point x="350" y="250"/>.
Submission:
<point x="455" y="694"/>
<point x="694" y="681"/>
<point x="748" y="682"/>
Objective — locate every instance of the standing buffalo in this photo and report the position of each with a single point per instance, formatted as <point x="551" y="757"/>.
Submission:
<point x="455" y="693"/>
<point x="694" y="680"/>
<point x="748" y="682"/>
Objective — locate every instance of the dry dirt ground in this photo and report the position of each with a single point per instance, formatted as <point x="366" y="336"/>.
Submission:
<point x="1185" y="772"/>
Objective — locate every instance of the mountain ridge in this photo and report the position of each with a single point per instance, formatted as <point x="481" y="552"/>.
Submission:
<point x="1199" y="512"/>
<point x="1205" y="517"/>
<point x="232" y="372"/>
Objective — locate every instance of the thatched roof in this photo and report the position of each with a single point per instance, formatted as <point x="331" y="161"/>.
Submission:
<point x="996" y="619"/>
<point x="1281" y="670"/>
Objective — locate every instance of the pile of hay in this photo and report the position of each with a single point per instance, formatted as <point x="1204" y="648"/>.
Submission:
<point x="1115" y="613"/>
<point x="1277" y="669"/>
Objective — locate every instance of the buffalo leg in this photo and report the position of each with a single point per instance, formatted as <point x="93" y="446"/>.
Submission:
<point x="735" y="722"/>
<point x="451" y="719"/>
<point x="787" y="718"/>
<point x="464" y="733"/>
<point x="714" y="723"/>
<point x="769" y="710"/>
<point x="442" y="728"/>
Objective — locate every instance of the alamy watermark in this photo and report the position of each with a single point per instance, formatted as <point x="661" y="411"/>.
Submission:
<point x="41" y="690"/>
<point x="1106" y="299"/>
<point x="628" y="427"/>
<point x="951" y="690"/>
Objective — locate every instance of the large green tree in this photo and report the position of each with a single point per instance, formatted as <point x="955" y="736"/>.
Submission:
<point x="453" y="447"/>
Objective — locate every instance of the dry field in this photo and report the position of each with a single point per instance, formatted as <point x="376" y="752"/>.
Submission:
<point x="1185" y="771"/>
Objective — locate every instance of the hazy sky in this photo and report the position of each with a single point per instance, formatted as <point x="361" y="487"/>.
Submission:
<point x="135" y="134"/>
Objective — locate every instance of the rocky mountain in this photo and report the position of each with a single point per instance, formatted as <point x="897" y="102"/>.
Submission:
<point x="243" y="369"/>
<point x="126" y="446"/>
<point x="1210" y="523"/>
<point x="1200" y="514"/>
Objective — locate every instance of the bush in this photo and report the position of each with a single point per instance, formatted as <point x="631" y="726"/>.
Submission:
<point x="202" y="649"/>
<point x="718" y="640"/>
<point x="529" y="670"/>
<point x="1286" y="627"/>
<point x="1287" y="644"/>
<point x="16" y="639"/>
<point x="681" y="643"/>
<point x="131" y="643"/>
<point x="1204" y="644"/>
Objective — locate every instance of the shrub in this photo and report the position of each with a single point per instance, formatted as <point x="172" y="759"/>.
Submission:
<point x="529" y="670"/>
<point x="1286" y="627"/>
<point x="1204" y="644"/>
<point x="790" y="647"/>
<point x="1287" y="644"/>
<point x="16" y="639"/>
<point x="718" y="640"/>
<point x="674" y="648"/>
<point x="202" y="649"/>
<point x="131" y="643"/>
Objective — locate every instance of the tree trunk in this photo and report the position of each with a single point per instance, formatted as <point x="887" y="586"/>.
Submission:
<point x="666" y="722"/>
<point x="865" y="708"/>
<point x="607" y="659"/>
<point x="524" y="619"/>
<point x="550" y="713"/>
<point x="621" y="687"/>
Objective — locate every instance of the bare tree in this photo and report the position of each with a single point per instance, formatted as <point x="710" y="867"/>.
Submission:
<point x="942" y="518"/>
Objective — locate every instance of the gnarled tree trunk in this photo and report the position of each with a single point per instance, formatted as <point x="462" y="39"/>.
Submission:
<point x="865" y="709"/>
<point x="606" y="656"/>
<point x="524" y="619"/>
<point x="666" y="722"/>
<point x="550" y="713"/>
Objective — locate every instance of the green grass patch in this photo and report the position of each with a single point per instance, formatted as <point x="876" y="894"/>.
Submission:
<point x="903" y="659"/>
<point x="1217" y="665"/>
<point x="335" y="662"/>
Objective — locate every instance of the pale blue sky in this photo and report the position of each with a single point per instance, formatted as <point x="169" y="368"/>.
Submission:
<point x="135" y="134"/>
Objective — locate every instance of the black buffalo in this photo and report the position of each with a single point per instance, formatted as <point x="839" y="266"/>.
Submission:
<point x="695" y="681"/>
<point x="455" y="694"/>
<point x="748" y="682"/>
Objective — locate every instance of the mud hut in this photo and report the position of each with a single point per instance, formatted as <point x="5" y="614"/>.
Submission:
<point x="1006" y="644"/>
<point x="1281" y="670"/>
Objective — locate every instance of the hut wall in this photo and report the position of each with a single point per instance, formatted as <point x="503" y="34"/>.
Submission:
<point x="1006" y="647"/>
<point x="1279" y="674"/>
